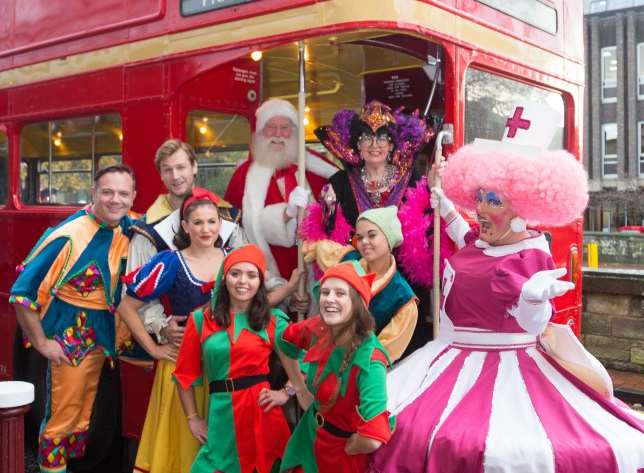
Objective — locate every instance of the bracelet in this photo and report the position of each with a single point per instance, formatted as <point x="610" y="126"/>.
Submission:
<point x="289" y="389"/>
<point x="192" y="416"/>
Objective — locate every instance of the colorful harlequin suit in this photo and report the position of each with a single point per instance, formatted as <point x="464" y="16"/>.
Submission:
<point x="71" y="279"/>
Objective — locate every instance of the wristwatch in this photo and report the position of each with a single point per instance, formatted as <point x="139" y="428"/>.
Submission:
<point x="289" y="389"/>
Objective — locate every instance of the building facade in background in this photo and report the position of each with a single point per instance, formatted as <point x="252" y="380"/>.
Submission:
<point x="614" y="117"/>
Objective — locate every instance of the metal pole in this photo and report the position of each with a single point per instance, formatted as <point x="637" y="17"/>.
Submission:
<point x="50" y="162"/>
<point x="301" y="166"/>
<point x="436" y="287"/>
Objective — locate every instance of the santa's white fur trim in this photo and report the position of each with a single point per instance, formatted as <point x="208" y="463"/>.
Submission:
<point x="275" y="230"/>
<point x="319" y="166"/>
<point x="274" y="108"/>
<point x="257" y="180"/>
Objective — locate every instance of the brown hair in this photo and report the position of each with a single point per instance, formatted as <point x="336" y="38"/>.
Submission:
<point x="361" y="324"/>
<point x="120" y="168"/>
<point x="258" y="313"/>
<point x="171" y="146"/>
<point x="181" y="239"/>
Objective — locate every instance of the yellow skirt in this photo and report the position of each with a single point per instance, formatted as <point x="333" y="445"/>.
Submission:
<point x="167" y="445"/>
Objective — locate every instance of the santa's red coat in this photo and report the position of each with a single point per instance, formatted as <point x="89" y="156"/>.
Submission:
<point x="286" y="258"/>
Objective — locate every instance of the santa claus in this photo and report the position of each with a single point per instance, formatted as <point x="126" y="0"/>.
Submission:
<point x="266" y="188"/>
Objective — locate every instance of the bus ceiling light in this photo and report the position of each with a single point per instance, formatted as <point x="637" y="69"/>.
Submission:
<point x="58" y="142"/>
<point x="305" y="121"/>
<point x="204" y="119"/>
<point x="256" y="56"/>
<point x="120" y="136"/>
<point x="203" y="129"/>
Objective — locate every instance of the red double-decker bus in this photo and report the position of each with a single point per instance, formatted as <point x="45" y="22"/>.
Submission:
<point x="83" y="84"/>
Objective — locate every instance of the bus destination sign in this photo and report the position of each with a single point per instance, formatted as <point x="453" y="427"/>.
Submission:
<point x="194" y="7"/>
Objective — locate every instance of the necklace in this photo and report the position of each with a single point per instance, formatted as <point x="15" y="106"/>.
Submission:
<point x="377" y="188"/>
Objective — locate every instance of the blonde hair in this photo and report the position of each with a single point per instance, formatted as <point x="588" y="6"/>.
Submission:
<point x="171" y="146"/>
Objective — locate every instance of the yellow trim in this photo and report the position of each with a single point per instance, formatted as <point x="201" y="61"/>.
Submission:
<point x="388" y="69"/>
<point x="302" y="20"/>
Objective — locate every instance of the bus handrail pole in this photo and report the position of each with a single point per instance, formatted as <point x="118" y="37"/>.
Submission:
<point x="301" y="170"/>
<point x="436" y="287"/>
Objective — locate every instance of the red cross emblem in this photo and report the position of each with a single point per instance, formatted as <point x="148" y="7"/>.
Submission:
<point x="516" y="122"/>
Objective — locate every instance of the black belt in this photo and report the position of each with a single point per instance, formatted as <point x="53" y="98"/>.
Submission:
<point x="229" y="385"/>
<point x="320" y="421"/>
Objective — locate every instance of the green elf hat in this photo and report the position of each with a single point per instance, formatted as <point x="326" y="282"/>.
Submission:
<point x="386" y="218"/>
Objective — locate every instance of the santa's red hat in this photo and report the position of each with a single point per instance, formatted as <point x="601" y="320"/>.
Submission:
<point x="274" y="108"/>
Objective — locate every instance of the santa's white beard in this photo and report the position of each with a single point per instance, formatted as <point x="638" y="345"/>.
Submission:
<point x="266" y="156"/>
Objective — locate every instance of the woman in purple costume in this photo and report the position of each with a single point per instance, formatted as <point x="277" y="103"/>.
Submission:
<point x="502" y="389"/>
<point x="378" y="148"/>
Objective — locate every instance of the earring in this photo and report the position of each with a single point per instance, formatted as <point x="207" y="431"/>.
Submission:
<point x="518" y="225"/>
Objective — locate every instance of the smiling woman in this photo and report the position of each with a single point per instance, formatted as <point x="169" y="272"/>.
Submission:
<point x="230" y="342"/>
<point x="347" y="419"/>
<point x="180" y="280"/>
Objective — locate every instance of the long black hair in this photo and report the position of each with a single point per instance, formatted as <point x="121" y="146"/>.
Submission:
<point x="258" y="313"/>
<point x="181" y="239"/>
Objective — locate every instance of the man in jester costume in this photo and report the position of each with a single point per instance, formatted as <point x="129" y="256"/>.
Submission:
<point x="65" y="297"/>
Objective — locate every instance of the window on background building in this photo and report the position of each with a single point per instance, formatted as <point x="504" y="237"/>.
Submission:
<point x="609" y="74"/>
<point x="4" y="167"/>
<point x="489" y="101"/>
<point x="609" y="150"/>
<point x="221" y="141"/>
<point x="640" y="71"/>
<point x="58" y="158"/>
<point x="640" y="148"/>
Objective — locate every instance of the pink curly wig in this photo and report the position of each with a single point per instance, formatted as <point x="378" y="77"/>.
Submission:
<point x="549" y="189"/>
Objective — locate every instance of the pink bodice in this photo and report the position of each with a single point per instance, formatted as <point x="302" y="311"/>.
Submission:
<point x="481" y="283"/>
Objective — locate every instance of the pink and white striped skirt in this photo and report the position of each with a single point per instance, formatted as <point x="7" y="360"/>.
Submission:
<point x="491" y="402"/>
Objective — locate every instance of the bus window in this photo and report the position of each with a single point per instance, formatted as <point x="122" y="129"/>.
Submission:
<point x="4" y="161"/>
<point x="58" y="158"/>
<point x="221" y="141"/>
<point x="489" y="100"/>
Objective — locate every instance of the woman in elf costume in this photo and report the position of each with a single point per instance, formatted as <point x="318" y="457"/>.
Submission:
<point x="393" y="303"/>
<point x="181" y="280"/>
<point x="230" y="342"/>
<point x="347" y="418"/>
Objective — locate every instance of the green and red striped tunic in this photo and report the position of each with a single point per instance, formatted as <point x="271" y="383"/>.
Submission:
<point x="242" y="438"/>
<point x="360" y="406"/>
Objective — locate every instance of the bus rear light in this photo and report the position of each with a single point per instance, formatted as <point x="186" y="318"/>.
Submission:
<point x="573" y="264"/>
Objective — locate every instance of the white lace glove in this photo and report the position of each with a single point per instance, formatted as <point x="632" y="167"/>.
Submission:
<point x="533" y="310"/>
<point x="446" y="205"/>
<point x="299" y="198"/>
<point x="545" y="285"/>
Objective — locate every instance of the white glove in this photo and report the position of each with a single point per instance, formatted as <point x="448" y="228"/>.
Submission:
<point x="299" y="198"/>
<point x="446" y="205"/>
<point x="545" y="285"/>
